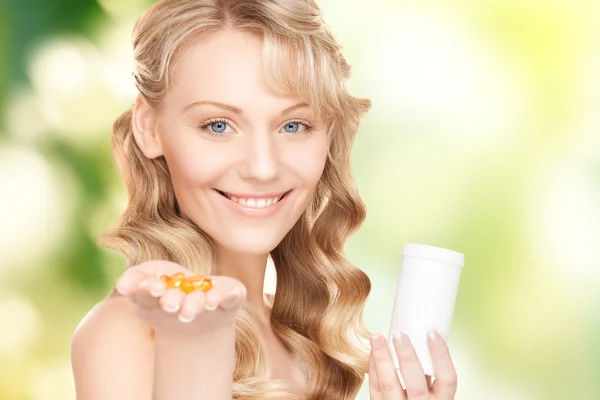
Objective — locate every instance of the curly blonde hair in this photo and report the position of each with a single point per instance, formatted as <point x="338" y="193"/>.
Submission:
<point x="320" y="296"/>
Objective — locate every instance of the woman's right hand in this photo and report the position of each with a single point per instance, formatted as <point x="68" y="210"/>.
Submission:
<point x="173" y="312"/>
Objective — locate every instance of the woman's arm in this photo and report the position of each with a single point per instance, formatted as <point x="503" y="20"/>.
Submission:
<point x="114" y="357"/>
<point x="112" y="354"/>
<point x="203" y="367"/>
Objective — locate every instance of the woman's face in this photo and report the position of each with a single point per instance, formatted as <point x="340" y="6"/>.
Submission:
<point x="244" y="160"/>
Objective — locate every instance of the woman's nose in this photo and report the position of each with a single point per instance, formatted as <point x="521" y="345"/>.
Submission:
<point x="260" y="158"/>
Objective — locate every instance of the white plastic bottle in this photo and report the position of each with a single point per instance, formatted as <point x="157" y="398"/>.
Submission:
<point x="425" y="297"/>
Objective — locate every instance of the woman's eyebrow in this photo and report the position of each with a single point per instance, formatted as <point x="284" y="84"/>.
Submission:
<point x="234" y="109"/>
<point x="212" y="103"/>
<point x="292" y="108"/>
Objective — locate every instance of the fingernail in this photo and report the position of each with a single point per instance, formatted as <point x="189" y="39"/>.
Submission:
<point x="186" y="320"/>
<point x="400" y="339"/>
<point x="210" y="308"/>
<point x="119" y="289"/>
<point x="171" y="308"/>
<point x="377" y="341"/>
<point x="434" y="338"/>
<point x="156" y="293"/>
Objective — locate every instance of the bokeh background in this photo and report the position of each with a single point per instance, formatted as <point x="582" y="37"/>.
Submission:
<point x="484" y="137"/>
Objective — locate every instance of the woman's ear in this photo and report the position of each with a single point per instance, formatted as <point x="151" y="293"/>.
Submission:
<point x="144" y="129"/>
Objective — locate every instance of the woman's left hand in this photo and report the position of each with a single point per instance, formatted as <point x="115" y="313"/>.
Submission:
<point x="383" y="379"/>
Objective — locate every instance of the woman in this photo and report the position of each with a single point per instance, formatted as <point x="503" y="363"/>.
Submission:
<point x="237" y="149"/>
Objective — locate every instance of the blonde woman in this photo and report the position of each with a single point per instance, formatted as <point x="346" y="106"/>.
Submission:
<point x="237" y="149"/>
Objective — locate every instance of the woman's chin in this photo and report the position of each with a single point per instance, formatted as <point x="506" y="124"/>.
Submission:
<point x="251" y="239"/>
<point x="250" y="246"/>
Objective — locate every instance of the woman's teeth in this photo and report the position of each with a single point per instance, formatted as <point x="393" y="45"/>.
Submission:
<point x="255" y="203"/>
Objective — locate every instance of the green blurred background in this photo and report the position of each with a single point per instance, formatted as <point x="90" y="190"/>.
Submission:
<point x="483" y="138"/>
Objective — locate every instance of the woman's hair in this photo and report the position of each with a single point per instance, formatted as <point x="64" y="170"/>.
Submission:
<point x="320" y="296"/>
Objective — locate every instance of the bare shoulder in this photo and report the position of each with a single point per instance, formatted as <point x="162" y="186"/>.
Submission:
<point x="112" y="318"/>
<point x="112" y="353"/>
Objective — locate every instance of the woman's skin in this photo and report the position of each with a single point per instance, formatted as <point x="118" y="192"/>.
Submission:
<point x="383" y="379"/>
<point x="223" y="132"/>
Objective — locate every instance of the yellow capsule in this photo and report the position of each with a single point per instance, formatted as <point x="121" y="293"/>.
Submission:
<point x="176" y="280"/>
<point x="187" y="286"/>
<point x="205" y="285"/>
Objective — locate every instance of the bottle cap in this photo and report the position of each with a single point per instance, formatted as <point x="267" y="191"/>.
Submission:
<point x="433" y="253"/>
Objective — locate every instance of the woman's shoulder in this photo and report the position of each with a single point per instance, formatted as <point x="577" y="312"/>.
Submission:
<point x="111" y="344"/>
<point x="110" y="323"/>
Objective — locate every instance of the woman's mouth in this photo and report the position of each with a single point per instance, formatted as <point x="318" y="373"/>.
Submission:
<point x="254" y="200"/>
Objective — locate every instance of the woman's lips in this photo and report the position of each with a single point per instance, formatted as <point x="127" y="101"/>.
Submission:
<point x="255" y="204"/>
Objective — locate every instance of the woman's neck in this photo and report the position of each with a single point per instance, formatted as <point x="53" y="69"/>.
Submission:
<point x="250" y="270"/>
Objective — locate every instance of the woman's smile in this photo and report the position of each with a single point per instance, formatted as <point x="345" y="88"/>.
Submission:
<point x="255" y="205"/>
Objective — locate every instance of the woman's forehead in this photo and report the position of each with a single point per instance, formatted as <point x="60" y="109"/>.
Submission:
<point x="220" y="61"/>
<point x="227" y="66"/>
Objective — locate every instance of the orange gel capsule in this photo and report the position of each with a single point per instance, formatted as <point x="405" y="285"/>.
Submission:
<point x="172" y="285"/>
<point x="176" y="280"/>
<point x="205" y="285"/>
<point x="169" y="281"/>
<point x="177" y="276"/>
<point x="187" y="286"/>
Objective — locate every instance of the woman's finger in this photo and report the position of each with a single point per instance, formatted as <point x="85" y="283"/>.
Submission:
<point x="445" y="384"/>
<point x="192" y="304"/>
<point x="388" y="382"/>
<point x="374" y="389"/>
<point x="410" y="368"/>
<point x="129" y="283"/>
<point x="172" y="300"/>
<point x="227" y="294"/>
<point x="149" y="291"/>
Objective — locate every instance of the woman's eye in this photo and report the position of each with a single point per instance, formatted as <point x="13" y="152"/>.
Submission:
<point x="295" y="127"/>
<point x="216" y="127"/>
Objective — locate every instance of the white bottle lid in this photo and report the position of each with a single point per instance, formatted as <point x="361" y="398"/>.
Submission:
<point x="433" y="253"/>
